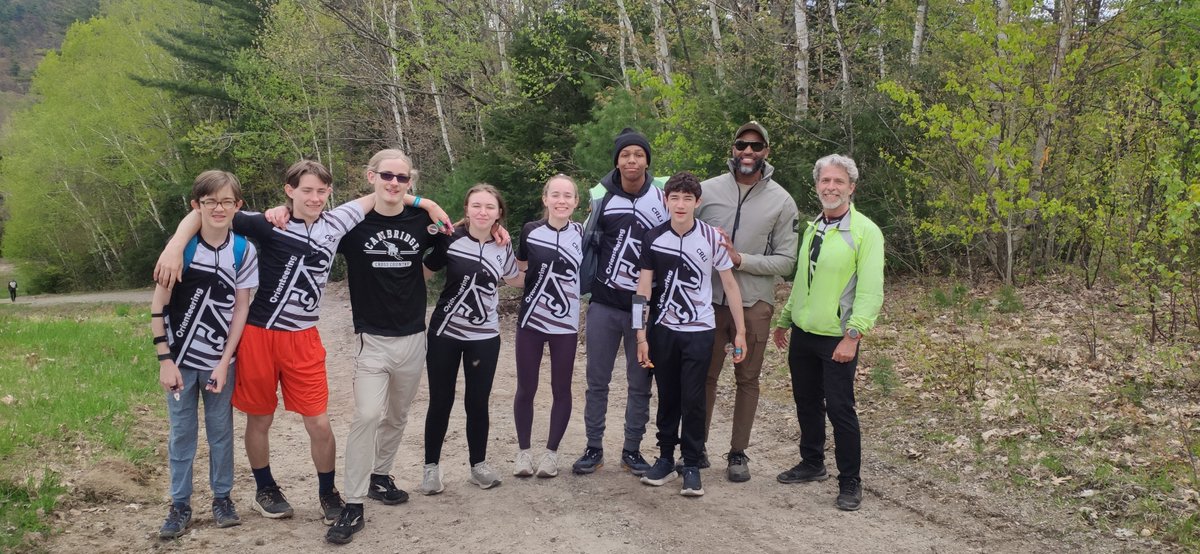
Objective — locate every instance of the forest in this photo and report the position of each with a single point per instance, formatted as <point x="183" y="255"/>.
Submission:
<point x="997" y="139"/>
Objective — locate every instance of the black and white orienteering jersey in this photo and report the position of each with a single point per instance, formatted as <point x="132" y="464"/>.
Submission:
<point x="683" y="267"/>
<point x="466" y="309"/>
<point x="200" y="311"/>
<point x="294" y="265"/>
<point x="551" y="301"/>
<point x="623" y="224"/>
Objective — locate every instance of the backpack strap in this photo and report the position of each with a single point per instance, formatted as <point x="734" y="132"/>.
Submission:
<point x="239" y="252"/>
<point x="190" y="251"/>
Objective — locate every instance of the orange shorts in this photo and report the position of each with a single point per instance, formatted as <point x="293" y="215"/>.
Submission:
<point x="269" y="360"/>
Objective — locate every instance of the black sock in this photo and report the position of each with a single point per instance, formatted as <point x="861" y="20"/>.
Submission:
<point x="263" y="478"/>
<point x="324" y="482"/>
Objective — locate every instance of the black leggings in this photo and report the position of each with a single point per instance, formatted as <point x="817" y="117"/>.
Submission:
<point x="478" y="359"/>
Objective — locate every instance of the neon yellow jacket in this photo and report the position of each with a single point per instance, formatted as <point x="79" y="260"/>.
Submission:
<point x="847" y="285"/>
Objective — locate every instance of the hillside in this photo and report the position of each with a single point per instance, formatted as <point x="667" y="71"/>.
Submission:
<point x="28" y="28"/>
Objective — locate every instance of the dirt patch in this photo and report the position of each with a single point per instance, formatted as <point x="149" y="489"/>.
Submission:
<point x="907" y="507"/>
<point x="114" y="481"/>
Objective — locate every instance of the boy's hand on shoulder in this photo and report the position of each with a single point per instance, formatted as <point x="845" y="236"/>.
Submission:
<point x="278" y="216"/>
<point x="500" y="234"/>
<point x="168" y="270"/>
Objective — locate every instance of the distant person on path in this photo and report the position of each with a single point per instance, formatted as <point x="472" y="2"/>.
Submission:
<point x="282" y="348"/>
<point x="756" y="218"/>
<point x="836" y="295"/>
<point x="197" y="324"/>
<point x="550" y="254"/>
<point x="12" y="290"/>
<point x="626" y="205"/>
<point x="677" y="265"/>
<point x="465" y="330"/>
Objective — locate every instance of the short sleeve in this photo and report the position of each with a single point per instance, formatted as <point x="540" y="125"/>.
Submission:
<point x="247" y="274"/>
<point x="721" y="260"/>
<point x="522" y="249"/>
<point x="345" y="217"/>
<point x="510" y="263"/>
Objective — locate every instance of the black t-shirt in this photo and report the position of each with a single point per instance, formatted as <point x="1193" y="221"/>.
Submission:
<point x="387" y="283"/>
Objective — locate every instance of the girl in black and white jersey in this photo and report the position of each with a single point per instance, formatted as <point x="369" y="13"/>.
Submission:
<point x="550" y="254"/>
<point x="465" y="329"/>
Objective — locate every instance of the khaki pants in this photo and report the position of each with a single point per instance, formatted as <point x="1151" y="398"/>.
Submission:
<point x="387" y="374"/>
<point x="758" y="331"/>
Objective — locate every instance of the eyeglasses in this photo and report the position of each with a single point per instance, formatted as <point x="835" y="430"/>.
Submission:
<point x="209" y="203"/>
<point x="388" y="176"/>
<point x="754" y="145"/>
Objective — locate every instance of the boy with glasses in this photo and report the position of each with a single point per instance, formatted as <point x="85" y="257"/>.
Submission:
<point x="197" y="324"/>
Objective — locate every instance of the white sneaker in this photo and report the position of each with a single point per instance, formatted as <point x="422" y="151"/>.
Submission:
<point x="548" y="467"/>
<point x="432" y="482"/>
<point x="483" y="475"/>
<point x="524" y="465"/>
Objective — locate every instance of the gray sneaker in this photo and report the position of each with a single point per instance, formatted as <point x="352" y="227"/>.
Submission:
<point x="432" y="482"/>
<point x="483" y="475"/>
<point x="739" y="467"/>
<point x="271" y="503"/>
<point x="524" y="464"/>
<point x="224" y="514"/>
<point x="548" y="467"/>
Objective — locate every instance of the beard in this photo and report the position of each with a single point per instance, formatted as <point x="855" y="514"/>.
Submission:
<point x="758" y="165"/>
<point x="842" y="201"/>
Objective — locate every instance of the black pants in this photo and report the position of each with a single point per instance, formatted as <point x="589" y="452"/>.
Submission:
<point x="822" y="386"/>
<point x="442" y="359"/>
<point x="680" y="371"/>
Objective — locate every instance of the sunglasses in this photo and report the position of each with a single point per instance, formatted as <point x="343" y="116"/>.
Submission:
<point x="754" y="145"/>
<point x="398" y="177"/>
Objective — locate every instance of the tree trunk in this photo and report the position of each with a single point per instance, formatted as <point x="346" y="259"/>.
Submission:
<point x="715" y="23"/>
<point x="844" y="55"/>
<point x="496" y="22"/>
<point x="433" y="88"/>
<point x="801" y="17"/>
<point x="396" y="93"/>
<point x="628" y="34"/>
<point x="918" y="42"/>
<point x="662" y="52"/>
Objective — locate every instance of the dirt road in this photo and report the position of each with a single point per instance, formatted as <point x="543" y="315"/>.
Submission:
<point x="904" y="510"/>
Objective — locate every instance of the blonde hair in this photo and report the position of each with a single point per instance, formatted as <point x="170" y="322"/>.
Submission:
<point x="546" y="190"/>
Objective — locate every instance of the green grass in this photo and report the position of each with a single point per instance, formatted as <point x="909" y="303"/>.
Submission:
<point x="883" y="376"/>
<point x="70" y="376"/>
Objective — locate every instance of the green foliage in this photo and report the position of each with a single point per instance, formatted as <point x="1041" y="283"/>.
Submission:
<point x="23" y="506"/>
<point x="884" y="376"/>
<point x="1007" y="301"/>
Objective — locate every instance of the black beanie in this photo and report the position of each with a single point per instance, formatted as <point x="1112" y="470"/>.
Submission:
<point x="629" y="137"/>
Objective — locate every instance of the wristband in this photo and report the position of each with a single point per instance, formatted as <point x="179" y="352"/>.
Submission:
<point x="166" y="356"/>
<point x="416" y="201"/>
<point x="156" y="314"/>
<point x="160" y="338"/>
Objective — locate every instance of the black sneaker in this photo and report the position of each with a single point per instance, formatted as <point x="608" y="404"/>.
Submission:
<point x="691" y="482"/>
<point x="739" y="467"/>
<point x="803" y="472"/>
<point x="178" y="519"/>
<point x="348" y="523"/>
<point x="271" y="503"/>
<point x="224" y="514"/>
<point x="331" y="506"/>
<point x="591" y="460"/>
<point x="634" y="462"/>
<point x="849" y="495"/>
<point x="661" y="473"/>
<point x="383" y="488"/>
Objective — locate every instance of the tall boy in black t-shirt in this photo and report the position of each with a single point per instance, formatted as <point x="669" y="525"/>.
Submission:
<point x="678" y="258"/>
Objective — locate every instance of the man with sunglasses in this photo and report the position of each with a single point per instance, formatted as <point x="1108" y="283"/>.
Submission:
<point x="756" y="218"/>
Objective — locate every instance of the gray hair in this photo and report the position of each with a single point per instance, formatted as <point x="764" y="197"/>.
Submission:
<point x="838" y="160"/>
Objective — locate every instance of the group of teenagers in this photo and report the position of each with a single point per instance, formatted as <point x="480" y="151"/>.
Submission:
<point x="680" y="272"/>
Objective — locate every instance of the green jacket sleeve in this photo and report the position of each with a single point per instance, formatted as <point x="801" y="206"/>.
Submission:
<point x="868" y="294"/>
<point x="784" y="319"/>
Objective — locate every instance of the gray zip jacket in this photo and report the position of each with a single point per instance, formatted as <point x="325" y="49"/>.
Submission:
<point x="764" y="234"/>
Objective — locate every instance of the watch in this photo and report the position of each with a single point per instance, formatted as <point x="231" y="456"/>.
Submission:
<point x="853" y="333"/>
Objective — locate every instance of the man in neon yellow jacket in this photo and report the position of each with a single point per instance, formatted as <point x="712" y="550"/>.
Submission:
<point x="836" y="296"/>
